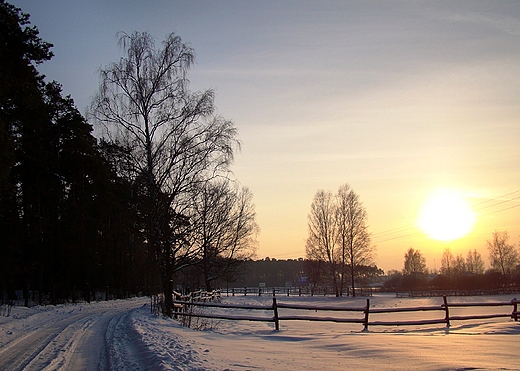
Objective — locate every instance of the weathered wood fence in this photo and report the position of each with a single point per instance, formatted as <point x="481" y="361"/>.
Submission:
<point x="439" y="293"/>
<point x="294" y="291"/>
<point x="365" y="313"/>
<point x="157" y="301"/>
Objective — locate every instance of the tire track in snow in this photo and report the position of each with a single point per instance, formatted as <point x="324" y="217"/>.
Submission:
<point x="19" y="353"/>
<point x="62" y="348"/>
<point x="124" y="349"/>
<point x="35" y="349"/>
<point x="67" y="341"/>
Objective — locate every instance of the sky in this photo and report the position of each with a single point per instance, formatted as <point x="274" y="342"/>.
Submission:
<point x="395" y="98"/>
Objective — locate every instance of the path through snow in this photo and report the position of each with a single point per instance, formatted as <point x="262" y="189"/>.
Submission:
<point x="66" y="337"/>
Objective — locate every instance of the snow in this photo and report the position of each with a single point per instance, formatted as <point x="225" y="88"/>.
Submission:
<point x="124" y="335"/>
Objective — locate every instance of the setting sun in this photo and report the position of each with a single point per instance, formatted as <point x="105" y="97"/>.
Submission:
<point x="446" y="216"/>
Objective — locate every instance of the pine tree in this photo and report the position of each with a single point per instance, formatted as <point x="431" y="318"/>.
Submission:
<point x="21" y="112"/>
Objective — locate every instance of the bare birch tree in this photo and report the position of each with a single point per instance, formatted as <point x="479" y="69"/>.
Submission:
<point x="171" y="139"/>
<point x="226" y="228"/>
<point x="447" y="263"/>
<point x="474" y="262"/>
<point x="355" y="248"/>
<point x="321" y="243"/>
<point x="414" y="263"/>
<point x="459" y="265"/>
<point x="503" y="256"/>
<point x="338" y="235"/>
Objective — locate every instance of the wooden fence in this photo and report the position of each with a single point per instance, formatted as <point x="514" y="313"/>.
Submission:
<point x="365" y="313"/>
<point x="294" y="291"/>
<point x="439" y="293"/>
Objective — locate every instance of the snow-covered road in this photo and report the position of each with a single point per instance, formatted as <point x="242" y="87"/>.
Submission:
<point x="73" y="337"/>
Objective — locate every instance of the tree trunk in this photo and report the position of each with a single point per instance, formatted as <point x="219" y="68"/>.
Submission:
<point x="208" y="285"/>
<point x="167" y="285"/>
<point x="352" y="275"/>
<point x="335" y="281"/>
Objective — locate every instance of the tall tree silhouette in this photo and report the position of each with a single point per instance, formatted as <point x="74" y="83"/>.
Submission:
<point x="170" y="137"/>
<point x="22" y="121"/>
<point x="60" y="201"/>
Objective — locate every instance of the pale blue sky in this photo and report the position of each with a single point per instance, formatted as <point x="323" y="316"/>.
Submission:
<point x="395" y="98"/>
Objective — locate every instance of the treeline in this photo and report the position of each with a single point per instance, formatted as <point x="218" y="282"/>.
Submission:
<point x="459" y="273"/>
<point x="294" y="272"/>
<point x="490" y="280"/>
<point x="67" y="220"/>
<point x="270" y="272"/>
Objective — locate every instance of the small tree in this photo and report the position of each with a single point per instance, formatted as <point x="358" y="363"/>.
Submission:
<point x="503" y="256"/>
<point x="459" y="265"/>
<point x="474" y="262"/>
<point x="414" y="263"/>
<point x="447" y="263"/>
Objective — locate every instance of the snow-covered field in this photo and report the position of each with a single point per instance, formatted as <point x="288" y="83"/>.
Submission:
<point x="124" y="335"/>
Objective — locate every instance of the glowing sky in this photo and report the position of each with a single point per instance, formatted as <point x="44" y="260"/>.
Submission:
<point x="394" y="98"/>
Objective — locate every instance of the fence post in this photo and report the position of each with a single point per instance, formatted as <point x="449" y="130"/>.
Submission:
<point x="515" y="310"/>
<point x="276" y="320"/>
<point x="447" y="311"/>
<point x="367" y="311"/>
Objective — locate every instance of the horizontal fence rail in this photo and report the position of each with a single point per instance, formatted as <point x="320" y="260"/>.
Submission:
<point x="457" y="292"/>
<point x="364" y="313"/>
<point x="296" y="291"/>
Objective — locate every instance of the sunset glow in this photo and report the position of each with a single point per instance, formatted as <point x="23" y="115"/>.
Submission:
<point x="396" y="99"/>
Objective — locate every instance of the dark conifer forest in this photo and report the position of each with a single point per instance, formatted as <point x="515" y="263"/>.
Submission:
<point x="67" y="221"/>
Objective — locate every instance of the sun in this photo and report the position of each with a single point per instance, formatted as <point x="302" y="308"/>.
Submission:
<point x="446" y="216"/>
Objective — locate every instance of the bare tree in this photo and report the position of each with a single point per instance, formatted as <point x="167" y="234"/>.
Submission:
<point x="414" y="263"/>
<point x="321" y="243"/>
<point x="447" y="263"/>
<point x="171" y="138"/>
<point x="355" y="248"/>
<point x="459" y="265"/>
<point x="338" y="235"/>
<point x="226" y="228"/>
<point x="474" y="262"/>
<point x="503" y="256"/>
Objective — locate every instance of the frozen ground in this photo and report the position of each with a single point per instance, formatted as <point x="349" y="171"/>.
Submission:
<point x="123" y="335"/>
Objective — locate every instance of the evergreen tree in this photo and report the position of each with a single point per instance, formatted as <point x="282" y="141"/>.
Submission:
<point x="22" y="214"/>
<point x="66" y="218"/>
